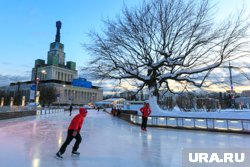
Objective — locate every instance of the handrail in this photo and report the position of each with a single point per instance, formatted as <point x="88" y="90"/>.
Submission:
<point x="214" y="124"/>
<point x="201" y="117"/>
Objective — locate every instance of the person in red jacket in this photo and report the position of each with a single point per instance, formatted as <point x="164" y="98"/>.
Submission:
<point x="73" y="132"/>
<point x="146" y="111"/>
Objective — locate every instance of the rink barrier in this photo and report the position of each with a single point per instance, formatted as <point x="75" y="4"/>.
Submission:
<point x="193" y="123"/>
<point x="15" y="114"/>
<point x="48" y="111"/>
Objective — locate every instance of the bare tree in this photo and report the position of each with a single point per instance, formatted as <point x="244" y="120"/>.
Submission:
<point x="186" y="101"/>
<point x="166" y="43"/>
<point x="47" y="94"/>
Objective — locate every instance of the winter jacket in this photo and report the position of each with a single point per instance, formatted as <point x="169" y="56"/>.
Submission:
<point x="146" y="111"/>
<point x="77" y="121"/>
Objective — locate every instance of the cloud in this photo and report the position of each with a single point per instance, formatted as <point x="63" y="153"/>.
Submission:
<point x="27" y="66"/>
<point x="6" y="63"/>
<point x="240" y="76"/>
<point x="16" y="64"/>
<point x="220" y="77"/>
<point x="7" y="79"/>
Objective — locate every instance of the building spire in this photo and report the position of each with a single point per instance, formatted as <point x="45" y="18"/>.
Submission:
<point x="58" y="27"/>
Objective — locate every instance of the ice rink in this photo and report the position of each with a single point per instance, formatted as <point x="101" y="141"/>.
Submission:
<point x="107" y="142"/>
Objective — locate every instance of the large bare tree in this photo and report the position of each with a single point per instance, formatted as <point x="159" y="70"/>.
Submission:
<point x="164" y="43"/>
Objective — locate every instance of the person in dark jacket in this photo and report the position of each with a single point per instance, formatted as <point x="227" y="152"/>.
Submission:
<point x="73" y="132"/>
<point x="70" y="109"/>
<point x="146" y="111"/>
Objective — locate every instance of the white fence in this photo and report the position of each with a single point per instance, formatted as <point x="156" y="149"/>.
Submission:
<point x="48" y="111"/>
<point x="214" y="124"/>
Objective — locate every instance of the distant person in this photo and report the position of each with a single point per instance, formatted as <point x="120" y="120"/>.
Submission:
<point x="118" y="112"/>
<point x="98" y="108"/>
<point x="70" y="109"/>
<point x="113" y="111"/>
<point x="73" y="132"/>
<point x="146" y="111"/>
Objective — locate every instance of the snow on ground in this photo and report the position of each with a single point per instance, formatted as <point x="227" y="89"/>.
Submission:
<point x="176" y="112"/>
<point x="107" y="142"/>
<point x="227" y="114"/>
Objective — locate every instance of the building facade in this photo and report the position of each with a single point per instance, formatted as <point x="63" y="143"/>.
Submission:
<point x="59" y="75"/>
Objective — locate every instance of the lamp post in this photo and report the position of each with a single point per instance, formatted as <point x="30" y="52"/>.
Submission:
<point x="37" y="82"/>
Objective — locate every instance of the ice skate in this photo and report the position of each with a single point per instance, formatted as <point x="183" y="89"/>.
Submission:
<point x="59" y="155"/>
<point x="75" y="153"/>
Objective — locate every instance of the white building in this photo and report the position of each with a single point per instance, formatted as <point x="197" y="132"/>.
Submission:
<point x="55" y="73"/>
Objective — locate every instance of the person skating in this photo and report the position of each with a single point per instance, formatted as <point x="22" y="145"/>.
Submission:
<point x="70" y="109"/>
<point x="73" y="132"/>
<point x="146" y="111"/>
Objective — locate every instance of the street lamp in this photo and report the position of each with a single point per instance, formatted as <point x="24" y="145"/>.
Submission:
<point x="43" y="72"/>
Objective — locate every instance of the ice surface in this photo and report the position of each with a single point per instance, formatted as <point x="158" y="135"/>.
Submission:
<point x="107" y="142"/>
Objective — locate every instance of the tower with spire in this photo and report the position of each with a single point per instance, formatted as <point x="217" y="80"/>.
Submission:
<point x="56" y="69"/>
<point x="56" y="55"/>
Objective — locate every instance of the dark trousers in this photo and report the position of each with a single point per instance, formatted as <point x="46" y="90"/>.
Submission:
<point x="69" y="139"/>
<point x="144" y="122"/>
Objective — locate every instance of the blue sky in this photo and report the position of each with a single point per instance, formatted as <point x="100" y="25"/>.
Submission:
<point x="28" y="27"/>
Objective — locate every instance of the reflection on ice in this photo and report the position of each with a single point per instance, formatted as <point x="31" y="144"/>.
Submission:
<point x="222" y="143"/>
<point x="189" y="140"/>
<point x="149" y="137"/>
<point x="60" y="139"/>
<point x="36" y="162"/>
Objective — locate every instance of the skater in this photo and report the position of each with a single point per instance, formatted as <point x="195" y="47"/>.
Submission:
<point x="73" y="132"/>
<point x="146" y="111"/>
<point x="70" y="109"/>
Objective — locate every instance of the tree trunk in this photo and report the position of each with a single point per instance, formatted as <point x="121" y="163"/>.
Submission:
<point x="153" y="100"/>
<point x="153" y="89"/>
<point x="155" y="109"/>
